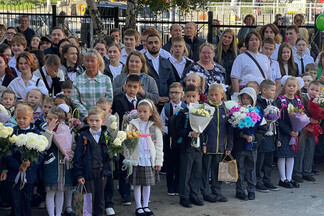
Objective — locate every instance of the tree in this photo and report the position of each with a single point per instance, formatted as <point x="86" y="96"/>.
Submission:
<point x="98" y="26"/>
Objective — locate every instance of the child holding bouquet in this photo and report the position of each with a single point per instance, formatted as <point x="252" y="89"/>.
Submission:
<point x="148" y="153"/>
<point x="217" y="140"/>
<point x="305" y="152"/>
<point x="21" y="198"/>
<point x="246" y="154"/>
<point x="57" y="176"/>
<point x="267" y="146"/>
<point x="288" y="94"/>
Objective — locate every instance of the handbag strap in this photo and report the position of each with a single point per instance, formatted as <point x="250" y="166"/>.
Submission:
<point x="257" y="64"/>
<point x="81" y="188"/>
<point x="230" y="156"/>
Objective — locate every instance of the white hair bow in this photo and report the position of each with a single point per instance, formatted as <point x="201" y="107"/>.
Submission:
<point x="299" y="79"/>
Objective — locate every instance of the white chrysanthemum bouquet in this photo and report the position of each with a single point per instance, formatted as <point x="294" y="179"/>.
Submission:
<point x="6" y="139"/>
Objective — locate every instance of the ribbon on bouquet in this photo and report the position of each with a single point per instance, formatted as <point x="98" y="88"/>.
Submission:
<point x="294" y="144"/>
<point x="22" y="176"/>
<point x="272" y="129"/>
<point x="128" y="164"/>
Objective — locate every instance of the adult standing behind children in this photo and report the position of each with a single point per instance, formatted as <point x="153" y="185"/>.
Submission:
<point x="23" y="28"/>
<point x="56" y="35"/>
<point x="194" y="41"/>
<point x="93" y="80"/>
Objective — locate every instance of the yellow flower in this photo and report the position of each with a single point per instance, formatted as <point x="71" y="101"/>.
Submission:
<point x="4" y="133"/>
<point x="13" y="139"/>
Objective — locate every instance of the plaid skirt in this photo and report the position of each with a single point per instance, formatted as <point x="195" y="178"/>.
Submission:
<point x="144" y="176"/>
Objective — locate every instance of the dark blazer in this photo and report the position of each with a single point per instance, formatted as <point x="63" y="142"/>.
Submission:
<point x="51" y="50"/>
<point x="194" y="45"/>
<point x="176" y="75"/>
<point x="29" y="33"/>
<point x="83" y="161"/>
<point x="107" y="70"/>
<point x="164" y="78"/>
<point x="167" y="47"/>
<point x="6" y="80"/>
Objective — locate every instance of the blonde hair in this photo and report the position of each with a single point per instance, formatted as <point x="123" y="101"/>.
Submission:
<point x="202" y="80"/>
<point x="233" y="47"/>
<point x="180" y="39"/>
<point x="104" y="100"/>
<point x="219" y="88"/>
<point x="94" y="53"/>
<point x="282" y="90"/>
<point x="155" y="117"/>
<point x="303" y="32"/>
<point x="24" y="108"/>
<point x="96" y="110"/>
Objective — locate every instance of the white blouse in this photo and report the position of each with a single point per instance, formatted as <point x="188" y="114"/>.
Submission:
<point x="19" y="87"/>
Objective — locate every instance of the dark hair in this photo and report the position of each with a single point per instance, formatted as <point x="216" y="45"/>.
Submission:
<point x="292" y="68"/>
<point x="132" y="32"/>
<point x="301" y="39"/>
<point x="7" y="70"/>
<point x="40" y="57"/>
<point x="249" y="16"/>
<point x="3" y="47"/>
<point x="14" y="28"/>
<point x="61" y="41"/>
<point x="249" y="35"/>
<point x="110" y="40"/>
<point x="315" y="82"/>
<point x="266" y="84"/>
<point x="133" y="78"/>
<point x="275" y="29"/>
<point x="65" y="49"/>
<point x="191" y="88"/>
<point x="269" y="41"/>
<point x="153" y="35"/>
<point x="8" y="91"/>
<point x="67" y="84"/>
<point x="293" y="27"/>
<point x="101" y="42"/>
<point x="115" y="30"/>
<point x="240" y="44"/>
<point x="57" y="27"/>
<point x="65" y="98"/>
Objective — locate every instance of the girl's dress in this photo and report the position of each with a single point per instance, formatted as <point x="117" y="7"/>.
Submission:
<point x="285" y="150"/>
<point x="147" y="154"/>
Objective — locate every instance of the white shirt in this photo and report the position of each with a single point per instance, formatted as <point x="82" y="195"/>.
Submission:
<point x="19" y="87"/>
<point x="286" y="69"/>
<point x="306" y="59"/>
<point x="132" y="100"/>
<point x="144" y="149"/>
<point x="2" y="78"/>
<point x="244" y="69"/>
<point x="294" y="49"/>
<point x="164" y="118"/>
<point x="115" y="71"/>
<point x="155" y="61"/>
<point x="162" y="52"/>
<point x="275" y="52"/>
<point x="12" y="63"/>
<point x="179" y="66"/>
<point x="123" y="56"/>
<point x="275" y="70"/>
<point x="95" y="134"/>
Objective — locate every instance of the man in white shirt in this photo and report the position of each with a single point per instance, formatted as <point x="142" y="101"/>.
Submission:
<point x="245" y="69"/>
<point x="292" y="33"/>
<point x="130" y="39"/>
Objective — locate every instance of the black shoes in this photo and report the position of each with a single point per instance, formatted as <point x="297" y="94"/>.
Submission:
<point x="210" y="198"/>
<point x="285" y="184"/>
<point x="262" y="188"/>
<point x="221" y="198"/>
<point x="271" y="187"/>
<point x="309" y="178"/>
<point x="251" y="196"/>
<point x="241" y="196"/>
<point x="126" y="201"/>
<point x="196" y="201"/>
<point x="294" y="184"/>
<point x="185" y="202"/>
<point x="137" y="213"/>
<point x="298" y="179"/>
<point x="148" y="211"/>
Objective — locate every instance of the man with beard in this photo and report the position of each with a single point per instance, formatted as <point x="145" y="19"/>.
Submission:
<point x="159" y="68"/>
<point x="56" y="35"/>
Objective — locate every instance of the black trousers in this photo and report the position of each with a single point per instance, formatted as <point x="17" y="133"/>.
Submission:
<point x="210" y="164"/>
<point x="172" y="165"/>
<point x="190" y="173"/>
<point x="96" y="186"/>
<point x="109" y="192"/>
<point x="21" y="199"/>
<point x="264" y="164"/>
<point x="124" y="187"/>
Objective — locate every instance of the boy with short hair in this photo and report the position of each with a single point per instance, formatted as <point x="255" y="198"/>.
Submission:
<point x="18" y="45"/>
<point x="307" y="77"/>
<point x="305" y="152"/>
<point x="311" y="68"/>
<point x="292" y="34"/>
<point x="246" y="158"/>
<point x="171" y="153"/>
<point x="254" y="85"/>
<point x="48" y="103"/>
<point x="130" y="40"/>
<point x="105" y="105"/>
<point x="91" y="159"/>
<point x="123" y="104"/>
<point x="67" y="88"/>
<point x="190" y="157"/>
<point x="267" y="146"/>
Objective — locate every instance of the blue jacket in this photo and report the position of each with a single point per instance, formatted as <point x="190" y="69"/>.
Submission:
<point x="14" y="161"/>
<point x="82" y="166"/>
<point x="218" y="136"/>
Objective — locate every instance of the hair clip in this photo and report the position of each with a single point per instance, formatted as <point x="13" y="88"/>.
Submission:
<point x="146" y="101"/>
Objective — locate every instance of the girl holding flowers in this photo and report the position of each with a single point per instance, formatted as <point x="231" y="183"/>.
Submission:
<point x="57" y="178"/>
<point x="148" y="153"/>
<point x="289" y="94"/>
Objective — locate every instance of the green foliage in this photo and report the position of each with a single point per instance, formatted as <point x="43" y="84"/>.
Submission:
<point x="16" y="6"/>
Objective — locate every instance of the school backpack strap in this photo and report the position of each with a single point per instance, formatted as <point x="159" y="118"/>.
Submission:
<point x="300" y="104"/>
<point x="37" y="82"/>
<point x="185" y="126"/>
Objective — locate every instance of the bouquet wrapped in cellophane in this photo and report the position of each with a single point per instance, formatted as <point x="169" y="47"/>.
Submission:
<point x="6" y="139"/>
<point x="271" y="114"/>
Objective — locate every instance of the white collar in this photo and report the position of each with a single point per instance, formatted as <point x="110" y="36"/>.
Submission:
<point x="300" y="57"/>
<point x="149" y="56"/>
<point x="93" y="131"/>
<point x="130" y="98"/>
<point x="178" y="104"/>
<point x="308" y="96"/>
<point x="175" y="61"/>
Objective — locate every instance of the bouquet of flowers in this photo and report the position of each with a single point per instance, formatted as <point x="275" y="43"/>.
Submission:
<point x="4" y="114"/>
<point x="247" y="119"/>
<point x="199" y="115"/>
<point x="271" y="114"/>
<point x="315" y="107"/>
<point x="30" y="146"/>
<point x="112" y="122"/>
<point x="127" y="118"/>
<point x="63" y="140"/>
<point x="6" y="140"/>
<point x="74" y="123"/>
<point x="298" y="120"/>
<point x="116" y="146"/>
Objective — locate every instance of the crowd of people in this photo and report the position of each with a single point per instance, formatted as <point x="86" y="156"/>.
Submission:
<point x="44" y="79"/>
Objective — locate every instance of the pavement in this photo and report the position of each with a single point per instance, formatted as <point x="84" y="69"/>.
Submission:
<point x="304" y="201"/>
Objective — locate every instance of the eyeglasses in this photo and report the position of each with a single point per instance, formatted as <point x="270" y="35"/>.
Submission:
<point x="298" y="20"/>
<point x="175" y="93"/>
<point x="206" y="53"/>
<point x="280" y="18"/>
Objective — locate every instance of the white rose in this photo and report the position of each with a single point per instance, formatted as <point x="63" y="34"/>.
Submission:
<point x="113" y="118"/>
<point x="13" y="139"/>
<point x="114" y="126"/>
<point x="9" y="130"/>
<point x="121" y="135"/>
<point x="117" y="142"/>
<point x="21" y="140"/>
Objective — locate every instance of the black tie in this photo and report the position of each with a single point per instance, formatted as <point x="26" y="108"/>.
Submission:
<point x="134" y="103"/>
<point x="302" y="65"/>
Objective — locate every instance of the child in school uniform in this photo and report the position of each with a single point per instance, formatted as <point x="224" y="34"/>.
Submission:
<point x="267" y="146"/>
<point x="217" y="140"/>
<point x="288" y="94"/>
<point x="190" y="157"/>
<point x="247" y="158"/>
<point x="148" y="154"/>
<point x="46" y="106"/>
<point x="34" y="98"/>
<point x="305" y="152"/>
<point x="21" y="198"/>
<point x="122" y="105"/>
<point x="91" y="159"/>
<point x="170" y="147"/>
